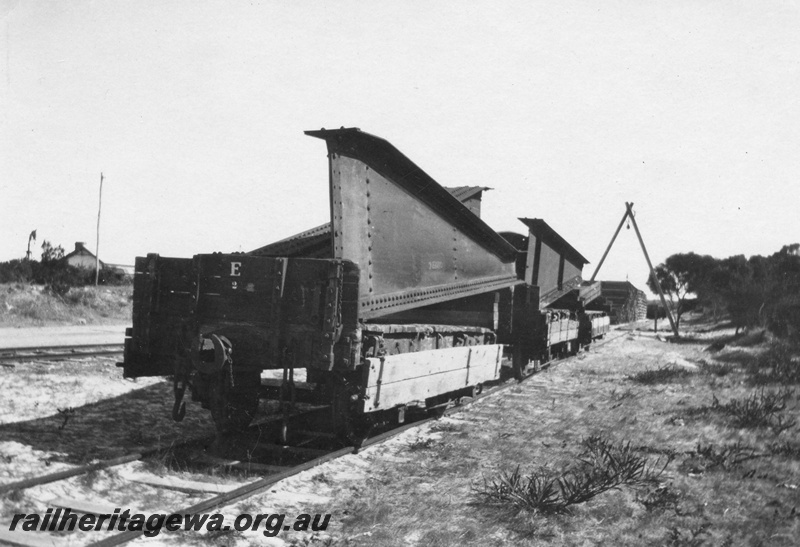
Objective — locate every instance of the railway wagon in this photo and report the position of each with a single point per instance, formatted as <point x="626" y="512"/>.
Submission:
<point x="405" y="298"/>
<point x="593" y="325"/>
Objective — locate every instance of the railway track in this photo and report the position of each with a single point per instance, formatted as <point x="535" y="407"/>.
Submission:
<point x="10" y="356"/>
<point x="251" y="454"/>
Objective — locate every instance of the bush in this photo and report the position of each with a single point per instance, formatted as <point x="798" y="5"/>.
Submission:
<point x="112" y="277"/>
<point x="16" y="271"/>
<point x="784" y="319"/>
<point x="59" y="277"/>
<point x="55" y="274"/>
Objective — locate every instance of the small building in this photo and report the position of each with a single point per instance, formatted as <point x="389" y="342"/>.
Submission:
<point x="82" y="257"/>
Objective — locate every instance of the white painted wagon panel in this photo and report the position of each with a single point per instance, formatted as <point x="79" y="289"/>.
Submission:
<point x="398" y="379"/>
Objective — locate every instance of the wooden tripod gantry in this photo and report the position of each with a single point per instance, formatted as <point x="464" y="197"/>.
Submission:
<point x="629" y="215"/>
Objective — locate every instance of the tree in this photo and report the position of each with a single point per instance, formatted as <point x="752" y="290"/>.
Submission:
<point x="54" y="272"/>
<point x="783" y="303"/>
<point x="756" y="291"/>
<point x="735" y="282"/>
<point x="50" y="253"/>
<point x="680" y="275"/>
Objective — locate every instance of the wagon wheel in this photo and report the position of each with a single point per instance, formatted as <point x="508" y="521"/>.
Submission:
<point x="233" y="398"/>
<point x="520" y="364"/>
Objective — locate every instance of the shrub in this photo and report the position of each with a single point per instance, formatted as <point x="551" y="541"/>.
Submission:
<point x="56" y="274"/>
<point x="59" y="278"/>
<point x="784" y="321"/>
<point x="16" y="271"/>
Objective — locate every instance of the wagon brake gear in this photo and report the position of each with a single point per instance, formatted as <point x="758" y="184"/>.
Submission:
<point x="179" y="408"/>
<point x="183" y="371"/>
<point x="233" y="395"/>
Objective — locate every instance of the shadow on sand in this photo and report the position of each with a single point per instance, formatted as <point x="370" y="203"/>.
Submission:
<point x="112" y="427"/>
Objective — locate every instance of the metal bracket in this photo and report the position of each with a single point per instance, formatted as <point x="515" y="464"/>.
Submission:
<point x="378" y="384"/>
<point x="469" y="360"/>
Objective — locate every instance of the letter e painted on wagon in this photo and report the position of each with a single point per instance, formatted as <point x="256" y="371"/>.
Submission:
<point x="235" y="269"/>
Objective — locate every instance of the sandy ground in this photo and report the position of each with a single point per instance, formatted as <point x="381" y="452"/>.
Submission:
<point x="419" y="488"/>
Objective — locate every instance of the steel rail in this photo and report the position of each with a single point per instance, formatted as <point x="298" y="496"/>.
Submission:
<point x="57" y="356"/>
<point x="6" y="355"/>
<point x="227" y="498"/>
<point x="61" y="347"/>
<point x="75" y="471"/>
<point x="87" y="468"/>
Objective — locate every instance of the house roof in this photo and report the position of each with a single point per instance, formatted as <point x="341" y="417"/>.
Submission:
<point x="81" y="250"/>
<point x="626" y="286"/>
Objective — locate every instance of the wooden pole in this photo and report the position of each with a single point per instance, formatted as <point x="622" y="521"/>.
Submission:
<point x="97" y="245"/>
<point x="629" y="213"/>
<point x="605" y="254"/>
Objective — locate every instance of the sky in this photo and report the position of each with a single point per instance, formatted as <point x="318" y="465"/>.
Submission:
<point x="194" y="112"/>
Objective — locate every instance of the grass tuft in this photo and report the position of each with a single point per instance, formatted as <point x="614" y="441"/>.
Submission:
<point x="421" y="444"/>
<point x="725" y="457"/>
<point x="445" y="427"/>
<point x="163" y="462"/>
<point x="602" y="466"/>
<point x="691" y="537"/>
<point x="749" y="339"/>
<point x="760" y="409"/>
<point x="88" y="480"/>
<point x="661" y="375"/>
<point x="661" y="499"/>
<point x="66" y="414"/>
<point x="715" y="369"/>
<point x="779" y="364"/>
<point x="618" y="397"/>
<point x="788" y="449"/>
